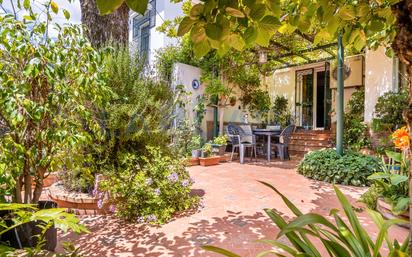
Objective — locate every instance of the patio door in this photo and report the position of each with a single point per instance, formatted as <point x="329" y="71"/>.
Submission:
<point x="313" y="98"/>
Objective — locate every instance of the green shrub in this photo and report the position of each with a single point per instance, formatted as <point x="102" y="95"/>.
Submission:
<point x="350" y="169"/>
<point x="146" y="177"/>
<point x="370" y="197"/>
<point x="356" y="131"/>
<point x="150" y="188"/>
<point x="281" y="111"/>
<point x="388" y="111"/>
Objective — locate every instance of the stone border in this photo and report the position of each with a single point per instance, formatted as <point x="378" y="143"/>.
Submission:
<point x="79" y="203"/>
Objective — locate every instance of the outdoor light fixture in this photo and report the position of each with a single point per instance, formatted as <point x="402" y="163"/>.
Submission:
<point x="263" y="56"/>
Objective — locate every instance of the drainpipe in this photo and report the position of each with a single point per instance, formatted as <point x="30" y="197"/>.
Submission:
<point x="215" y="118"/>
<point x="339" y="98"/>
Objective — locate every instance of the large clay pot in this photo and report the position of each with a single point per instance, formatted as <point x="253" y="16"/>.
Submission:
<point x="26" y="235"/>
<point x="209" y="161"/>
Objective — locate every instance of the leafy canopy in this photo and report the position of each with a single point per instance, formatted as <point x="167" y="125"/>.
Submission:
<point x="225" y="25"/>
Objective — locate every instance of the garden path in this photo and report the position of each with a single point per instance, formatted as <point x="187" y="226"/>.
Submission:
<point x="232" y="217"/>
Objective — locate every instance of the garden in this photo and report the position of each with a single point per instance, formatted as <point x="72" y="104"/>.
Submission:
<point x="93" y="143"/>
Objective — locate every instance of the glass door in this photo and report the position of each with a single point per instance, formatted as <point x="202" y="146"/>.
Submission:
<point x="304" y="98"/>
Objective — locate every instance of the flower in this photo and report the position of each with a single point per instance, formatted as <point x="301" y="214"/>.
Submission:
<point x="173" y="177"/>
<point x="100" y="203"/>
<point x="401" y="138"/>
<point x="157" y="191"/>
<point x="95" y="192"/>
<point x="140" y="219"/>
<point x="151" y="218"/>
<point x="149" y="181"/>
<point x="185" y="183"/>
<point x="112" y="208"/>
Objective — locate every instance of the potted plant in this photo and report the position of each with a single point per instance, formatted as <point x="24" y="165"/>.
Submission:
<point x="392" y="183"/>
<point x="208" y="158"/>
<point x="195" y="147"/>
<point x="219" y="145"/>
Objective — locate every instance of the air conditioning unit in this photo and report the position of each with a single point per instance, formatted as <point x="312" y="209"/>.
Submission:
<point x="352" y="72"/>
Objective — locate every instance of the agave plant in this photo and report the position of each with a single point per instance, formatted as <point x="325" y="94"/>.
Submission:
<point x="340" y="239"/>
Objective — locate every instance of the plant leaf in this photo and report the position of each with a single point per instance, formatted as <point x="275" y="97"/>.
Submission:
<point x="138" y="6"/>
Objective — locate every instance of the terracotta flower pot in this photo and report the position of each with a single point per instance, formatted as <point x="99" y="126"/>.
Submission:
<point x="209" y="161"/>
<point x="385" y="209"/>
<point x="193" y="161"/>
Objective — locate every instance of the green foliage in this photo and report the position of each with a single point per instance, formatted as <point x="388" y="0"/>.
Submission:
<point x="281" y="111"/>
<point x="196" y="143"/>
<point x="393" y="182"/>
<point x="137" y="156"/>
<point x="200" y="111"/>
<point x="207" y="150"/>
<point x="350" y="169"/>
<point x="370" y="197"/>
<point x="388" y="111"/>
<point x="151" y="188"/>
<point x="220" y="140"/>
<point x="355" y="135"/>
<point x="345" y="237"/>
<point x="19" y="214"/>
<point x="50" y="90"/>
<point x="260" y="104"/>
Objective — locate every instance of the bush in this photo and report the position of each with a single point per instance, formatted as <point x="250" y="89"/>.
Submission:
<point x="146" y="177"/>
<point x="151" y="188"/>
<point x="281" y="111"/>
<point x="388" y="111"/>
<point x="356" y="131"/>
<point x="370" y="197"/>
<point x="350" y="169"/>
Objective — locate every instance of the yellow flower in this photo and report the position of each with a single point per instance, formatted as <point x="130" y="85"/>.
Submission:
<point x="401" y="138"/>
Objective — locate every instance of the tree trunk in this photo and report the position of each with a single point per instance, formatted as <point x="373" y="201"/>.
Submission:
<point x="402" y="46"/>
<point x="102" y="30"/>
<point x="221" y="124"/>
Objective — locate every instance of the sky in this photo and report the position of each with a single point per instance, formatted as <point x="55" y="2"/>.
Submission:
<point x="72" y="6"/>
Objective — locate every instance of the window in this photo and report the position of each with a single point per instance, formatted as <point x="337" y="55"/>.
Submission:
<point x="141" y="25"/>
<point x="144" y="46"/>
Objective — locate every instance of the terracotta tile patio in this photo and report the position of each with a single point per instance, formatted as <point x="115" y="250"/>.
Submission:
<point x="232" y="217"/>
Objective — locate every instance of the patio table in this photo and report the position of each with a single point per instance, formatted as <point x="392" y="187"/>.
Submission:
<point x="269" y="133"/>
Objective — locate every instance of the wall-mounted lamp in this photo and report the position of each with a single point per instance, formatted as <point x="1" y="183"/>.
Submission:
<point x="263" y="57"/>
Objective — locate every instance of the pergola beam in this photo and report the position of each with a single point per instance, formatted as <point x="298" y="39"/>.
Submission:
<point x="308" y="50"/>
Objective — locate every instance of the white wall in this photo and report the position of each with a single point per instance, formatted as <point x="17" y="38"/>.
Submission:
<point x="184" y="74"/>
<point x="378" y="79"/>
<point x="165" y="11"/>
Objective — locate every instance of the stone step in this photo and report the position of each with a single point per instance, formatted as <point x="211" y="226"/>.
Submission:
<point x="299" y="148"/>
<point x="323" y="143"/>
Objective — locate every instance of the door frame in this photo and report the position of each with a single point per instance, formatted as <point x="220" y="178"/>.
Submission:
<point x="298" y="94"/>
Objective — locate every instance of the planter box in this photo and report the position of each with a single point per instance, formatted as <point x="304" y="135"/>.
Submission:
<point x="209" y="161"/>
<point x="386" y="210"/>
<point x="225" y="158"/>
<point x="193" y="161"/>
<point x="219" y="149"/>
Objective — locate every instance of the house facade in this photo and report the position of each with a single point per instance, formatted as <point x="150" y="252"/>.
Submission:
<point x="143" y="33"/>
<point x="310" y="89"/>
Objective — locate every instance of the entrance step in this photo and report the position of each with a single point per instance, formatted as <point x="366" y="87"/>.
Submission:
<point x="305" y="141"/>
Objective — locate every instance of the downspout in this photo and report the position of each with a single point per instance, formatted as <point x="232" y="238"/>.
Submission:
<point x="340" y="98"/>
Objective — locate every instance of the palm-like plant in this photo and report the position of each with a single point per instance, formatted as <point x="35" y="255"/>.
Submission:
<point x="342" y="239"/>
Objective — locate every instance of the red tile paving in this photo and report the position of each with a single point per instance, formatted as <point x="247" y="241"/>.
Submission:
<point x="232" y="217"/>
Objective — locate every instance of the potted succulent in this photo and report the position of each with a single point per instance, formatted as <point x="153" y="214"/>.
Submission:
<point x="208" y="158"/>
<point x="195" y="147"/>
